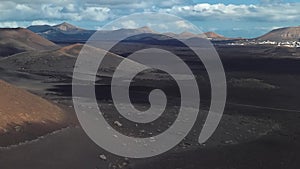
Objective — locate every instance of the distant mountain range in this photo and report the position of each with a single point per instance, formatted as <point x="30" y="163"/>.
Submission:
<point x="66" y="32"/>
<point x="282" y="34"/>
<point x="188" y="35"/>
<point x="62" y="33"/>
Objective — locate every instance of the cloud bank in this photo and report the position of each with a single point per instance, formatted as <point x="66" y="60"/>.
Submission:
<point x="95" y="13"/>
<point x="95" y="10"/>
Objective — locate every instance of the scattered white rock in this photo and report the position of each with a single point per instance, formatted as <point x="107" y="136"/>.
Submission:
<point x="18" y="128"/>
<point x="117" y="123"/>
<point x="5" y="130"/>
<point x="228" y="142"/>
<point x="103" y="157"/>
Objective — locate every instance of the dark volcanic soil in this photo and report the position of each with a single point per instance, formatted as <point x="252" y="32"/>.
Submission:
<point x="260" y="127"/>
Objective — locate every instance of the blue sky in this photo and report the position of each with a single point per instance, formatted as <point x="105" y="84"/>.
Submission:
<point x="232" y="18"/>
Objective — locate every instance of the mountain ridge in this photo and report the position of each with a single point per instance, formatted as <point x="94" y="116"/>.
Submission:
<point x="76" y="34"/>
<point x="282" y="34"/>
<point x="68" y="32"/>
<point x="67" y="27"/>
<point x="16" y="40"/>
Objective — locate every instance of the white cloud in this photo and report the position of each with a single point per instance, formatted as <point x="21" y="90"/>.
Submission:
<point x="267" y="12"/>
<point x="22" y="7"/>
<point x="215" y="29"/>
<point x="57" y="10"/>
<point x="271" y="1"/>
<point x="183" y="24"/>
<point x="130" y="24"/>
<point x="267" y="28"/>
<point x="163" y="26"/>
<point x="6" y="5"/>
<point x="105" y="10"/>
<point x="43" y="22"/>
<point x="127" y="24"/>
<point x="9" y="24"/>
<point x="51" y="11"/>
<point x="70" y="8"/>
<point x="137" y="3"/>
<point x="95" y="13"/>
<point x="170" y="3"/>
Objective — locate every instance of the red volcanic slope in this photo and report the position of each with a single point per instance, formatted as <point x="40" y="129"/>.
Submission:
<point x="19" y="107"/>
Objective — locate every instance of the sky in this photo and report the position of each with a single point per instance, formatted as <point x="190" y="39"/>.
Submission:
<point x="232" y="18"/>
